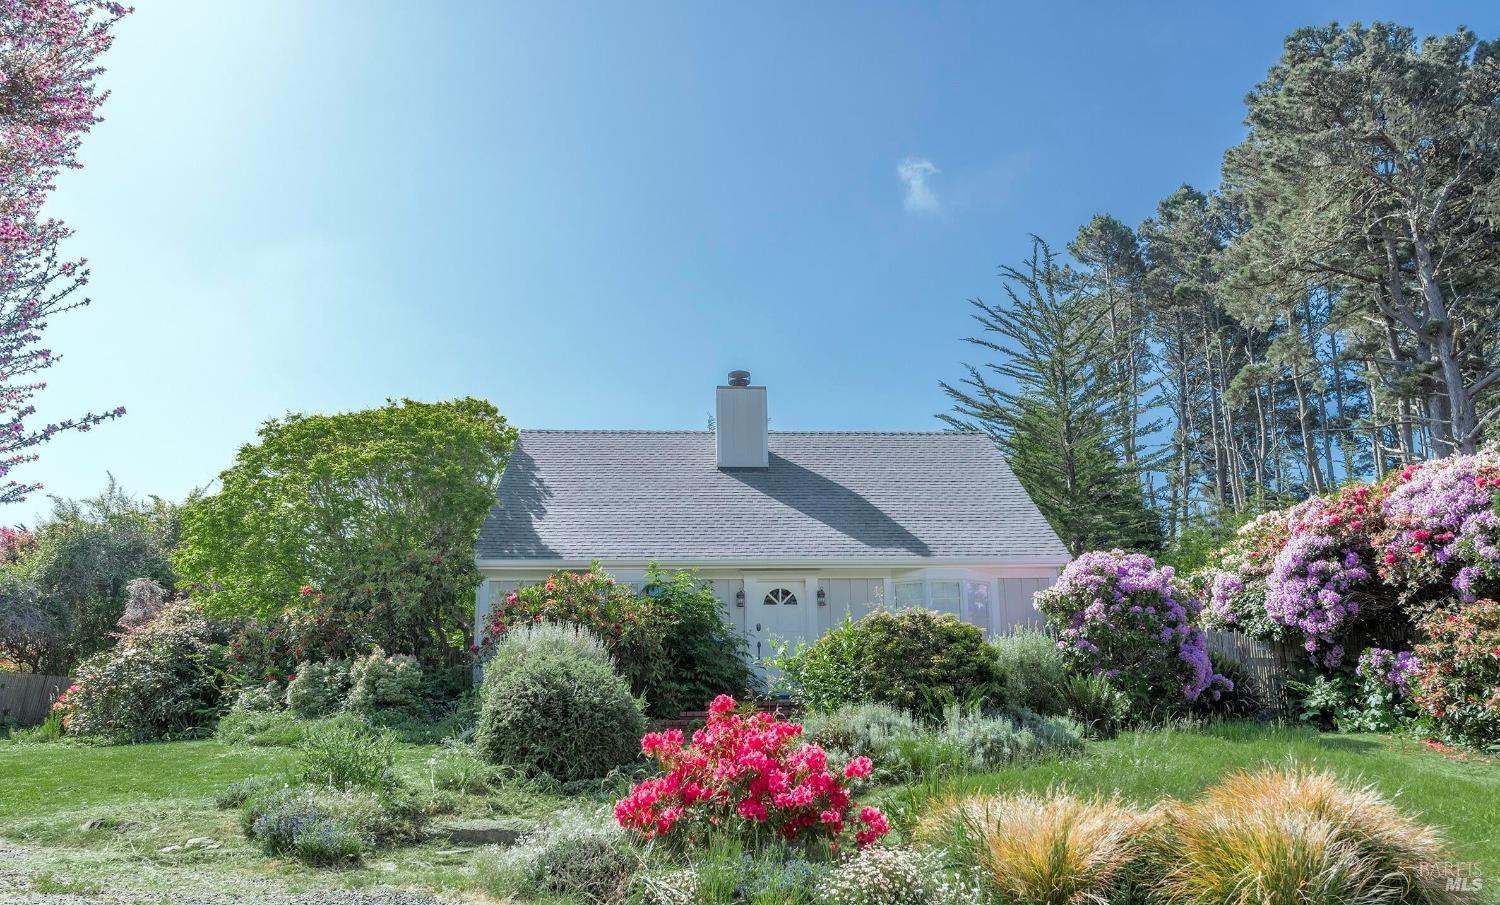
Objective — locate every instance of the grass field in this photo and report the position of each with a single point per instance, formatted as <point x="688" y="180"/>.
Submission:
<point x="153" y="797"/>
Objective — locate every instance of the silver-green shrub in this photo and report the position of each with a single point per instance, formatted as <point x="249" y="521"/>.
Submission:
<point x="318" y="689"/>
<point x="381" y="685"/>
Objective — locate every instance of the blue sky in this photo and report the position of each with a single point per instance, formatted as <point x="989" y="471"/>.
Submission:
<point x="588" y="213"/>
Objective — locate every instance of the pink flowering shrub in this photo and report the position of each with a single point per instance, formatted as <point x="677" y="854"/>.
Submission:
<point x="751" y="776"/>
<point x="1235" y="590"/>
<point x="1308" y="575"/>
<point x="1443" y="529"/>
<point x="1317" y="578"/>
<point x="1119" y="615"/>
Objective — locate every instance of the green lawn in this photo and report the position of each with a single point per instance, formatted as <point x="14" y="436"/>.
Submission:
<point x="163" y="794"/>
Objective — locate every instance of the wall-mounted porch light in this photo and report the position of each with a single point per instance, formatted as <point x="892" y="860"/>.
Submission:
<point x="739" y="597"/>
<point x="822" y="597"/>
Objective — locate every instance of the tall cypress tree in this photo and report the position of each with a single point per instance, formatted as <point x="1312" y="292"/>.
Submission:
<point x="1049" y="402"/>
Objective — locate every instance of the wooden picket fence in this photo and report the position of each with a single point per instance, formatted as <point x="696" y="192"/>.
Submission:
<point x="1269" y="664"/>
<point x="26" y="698"/>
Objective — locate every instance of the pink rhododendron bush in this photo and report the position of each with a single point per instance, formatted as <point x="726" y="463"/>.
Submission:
<point x="1359" y="568"/>
<point x="750" y="776"/>
<point x="1119" y="615"/>
<point x="1305" y="575"/>
<point x="1442" y="526"/>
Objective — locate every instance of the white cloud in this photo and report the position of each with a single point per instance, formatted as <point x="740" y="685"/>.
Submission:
<point x="914" y="173"/>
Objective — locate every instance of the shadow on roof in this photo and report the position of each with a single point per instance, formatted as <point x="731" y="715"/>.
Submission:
<point x="831" y="503"/>
<point x="525" y="494"/>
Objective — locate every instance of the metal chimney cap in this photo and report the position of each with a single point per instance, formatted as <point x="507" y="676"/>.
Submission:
<point x="739" y="378"/>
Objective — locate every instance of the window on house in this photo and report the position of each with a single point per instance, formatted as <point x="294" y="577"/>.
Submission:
<point x="780" y="596"/>
<point x="977" y="602"/>
<point x="945" y="596"/>
<point x="909" y="594"/>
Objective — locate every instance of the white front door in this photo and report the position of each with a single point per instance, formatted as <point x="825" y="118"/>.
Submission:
<point x="777" y="611"/>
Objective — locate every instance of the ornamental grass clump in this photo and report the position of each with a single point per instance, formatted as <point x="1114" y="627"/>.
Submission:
<point x="1049" y="849"/>
<point x="750" y="777"/>
<point x="1291" y="837"/>
<point x="1118" y="615"/>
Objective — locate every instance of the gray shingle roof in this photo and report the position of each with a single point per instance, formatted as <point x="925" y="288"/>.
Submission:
<point x="638" y="495"/>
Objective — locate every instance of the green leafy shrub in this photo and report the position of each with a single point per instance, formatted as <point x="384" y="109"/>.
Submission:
<point x="345" y="754"/>
<point x="318" y="689"/>
<point x="572" y="719"/>
<point x="385" y="686"/>
<point x="705" y="655"/>
<point x="918" y="661"/>
<point x="259" y="697"/>
<point x="670" y="642"/>
<point x="577" y="854"/>
<point x="1032" y="671"/>
<point x="825" y="676"/>
<point x="455" y="767"/>
<point x="160" y="680"/>
<point x="1096" y="704"/>
<point x="1320" y="699"/>
<point x="566" y="640"/>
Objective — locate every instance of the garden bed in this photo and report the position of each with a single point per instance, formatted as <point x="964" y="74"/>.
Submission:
<point x="153" y="797"/>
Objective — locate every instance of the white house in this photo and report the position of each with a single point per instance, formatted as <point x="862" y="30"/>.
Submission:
<point x="794" y="529"/>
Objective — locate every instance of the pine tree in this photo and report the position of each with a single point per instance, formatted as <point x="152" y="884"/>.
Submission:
<point x="1058" y="424"/>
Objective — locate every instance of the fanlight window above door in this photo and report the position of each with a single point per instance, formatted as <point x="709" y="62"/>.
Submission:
<point x="780" y="596"/>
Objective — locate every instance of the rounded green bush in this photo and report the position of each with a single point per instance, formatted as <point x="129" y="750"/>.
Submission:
<point x="385" y="686"/>
<point x="318" y="688"/>
<point x="918" y="661"/>
<point x="1032" y="671"/>
<point x="569" y="718"/>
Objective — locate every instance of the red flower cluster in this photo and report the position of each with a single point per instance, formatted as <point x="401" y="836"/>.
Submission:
<point x="748" y="773"/>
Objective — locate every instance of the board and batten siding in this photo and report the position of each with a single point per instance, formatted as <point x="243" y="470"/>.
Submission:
<point x="856" y="597"/>
<point x="1016" y="610"/>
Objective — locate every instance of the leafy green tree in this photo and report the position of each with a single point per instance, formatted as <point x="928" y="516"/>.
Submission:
<point x="373" y="513"/>
<point x="1050" y="404"/>
<point x="62" y="597"/>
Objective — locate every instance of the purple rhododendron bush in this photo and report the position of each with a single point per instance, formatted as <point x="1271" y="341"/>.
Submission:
<point x="1360" y="576"/>
<point x="1122" y="616"/>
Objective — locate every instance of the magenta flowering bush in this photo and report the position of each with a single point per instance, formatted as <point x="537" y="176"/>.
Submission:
<point x="1119" y="615"/>
<point x="744" y="774"/>
<point x="1443" y="529"/>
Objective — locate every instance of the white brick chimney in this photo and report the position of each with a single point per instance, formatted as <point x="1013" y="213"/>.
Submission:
<point x="740" y="423"/>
